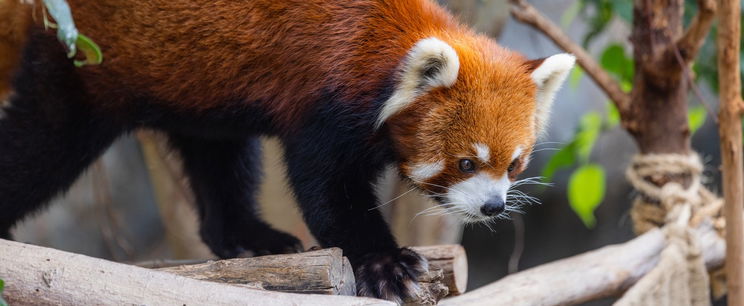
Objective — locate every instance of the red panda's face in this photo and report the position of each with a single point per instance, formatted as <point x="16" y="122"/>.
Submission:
<point x="469" y="124"/>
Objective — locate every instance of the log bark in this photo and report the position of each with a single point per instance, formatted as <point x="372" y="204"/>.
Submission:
<point x="730" y="113"/>
<point x="321" y="272"/>
<point x="324" y="272"/>
<point x="605" y="272"/>
<point x="40" y="276"/>
<point x="453" y="262"/>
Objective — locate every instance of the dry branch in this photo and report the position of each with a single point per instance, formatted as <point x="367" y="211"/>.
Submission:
<point x="601" y="273"/>
<point x="729" y="31"/>
<point x="526" y="13"/>
<point x="41" y="276"/>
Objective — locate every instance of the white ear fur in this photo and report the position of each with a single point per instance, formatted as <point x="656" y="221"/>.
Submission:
<point x="431" y="63"/>
<point x="549" y="77"/>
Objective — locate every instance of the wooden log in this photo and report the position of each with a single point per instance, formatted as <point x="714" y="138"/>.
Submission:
<point x="41" y="276"/>
<point x="453" y="262"/>
<point x="447" y="276"/>
<point x="432" y="289"/>
<point x="320" y="272"/>
<point x="605" y="272"/>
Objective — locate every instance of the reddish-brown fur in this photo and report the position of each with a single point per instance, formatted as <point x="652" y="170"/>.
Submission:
<point x="14" y="20"/>
<point x="287" y="52"/>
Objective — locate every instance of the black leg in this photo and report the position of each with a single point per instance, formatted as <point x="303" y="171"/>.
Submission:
<point x="333" y="182"/>
<point x="47" y="135"/>
<point x="225" y="176"/>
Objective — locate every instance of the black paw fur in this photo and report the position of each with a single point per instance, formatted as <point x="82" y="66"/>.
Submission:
<point x="390" y="275"/>
<point x="253" y="243"/>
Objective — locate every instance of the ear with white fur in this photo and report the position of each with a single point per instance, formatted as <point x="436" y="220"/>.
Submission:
<point x="431" y="63"/>
<point x="548" y="74"/>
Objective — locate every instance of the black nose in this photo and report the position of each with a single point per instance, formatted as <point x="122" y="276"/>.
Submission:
<point x="493" y="207"/>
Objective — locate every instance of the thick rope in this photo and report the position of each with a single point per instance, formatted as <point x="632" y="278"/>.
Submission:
<point x="680" y="278"/>
<point x="658" y="206"/>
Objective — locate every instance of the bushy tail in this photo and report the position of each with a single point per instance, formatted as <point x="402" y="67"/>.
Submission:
<point x="15" y="19"/>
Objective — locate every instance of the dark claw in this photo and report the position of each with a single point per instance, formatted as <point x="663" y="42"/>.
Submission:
<point x="391" y="275"/>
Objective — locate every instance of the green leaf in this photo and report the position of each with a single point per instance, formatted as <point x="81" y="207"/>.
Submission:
<point x="613" y="115"/>
<point x="696" y="118"/>
<point x="613" y="59"/>
<point x="586" y="189"/>
<point x="2" y="287"/>
<point x="626" y="86"/>
<point x="575" y="77"/>
<point x="92" y="52"/>
<point x="591" y="126"/>
<point x="564" y="158"/>
<point x="68" y="34"/>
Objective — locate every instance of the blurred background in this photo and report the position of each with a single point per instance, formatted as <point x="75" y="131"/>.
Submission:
<point x="133" y="205"/>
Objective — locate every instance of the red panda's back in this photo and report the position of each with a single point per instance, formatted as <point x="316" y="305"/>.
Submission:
<point x="199" y="53"/>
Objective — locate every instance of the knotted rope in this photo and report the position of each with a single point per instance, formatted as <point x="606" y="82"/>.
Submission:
<point x="671" y="202"/>
<point x="680" y="277"/>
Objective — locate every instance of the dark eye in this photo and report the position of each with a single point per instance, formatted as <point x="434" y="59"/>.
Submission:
<point x="467" y="166"/>
<point x="513" y="166"/>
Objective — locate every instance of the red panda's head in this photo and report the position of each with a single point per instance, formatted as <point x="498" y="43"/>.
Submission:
<point x="464" y="117"/>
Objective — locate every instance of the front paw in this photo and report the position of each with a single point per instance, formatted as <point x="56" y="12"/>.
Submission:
<point x="390" y="275"/>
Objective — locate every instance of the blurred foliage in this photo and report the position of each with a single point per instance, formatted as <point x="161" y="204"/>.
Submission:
<point x="586" y="186"/>
<point x="68" y="34"/>
<point x="586" y="190"/>
<point x="2" y="287"/>
<point x="600" y="13"/>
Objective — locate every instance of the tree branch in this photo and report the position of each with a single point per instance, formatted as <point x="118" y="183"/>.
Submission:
<point x="691" y="41"/>
<point x="526" y="13"/>
<point x="666" y="65"/>
<point x="729" y="40"/>
<point x="601" y="273"/>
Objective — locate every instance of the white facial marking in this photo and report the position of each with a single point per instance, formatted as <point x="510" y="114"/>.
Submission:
<point x="469" y="195"/>
<point x="413" y="82"/>
<point x="423" y="172"/>
<point x="482" y="151"/>
<point x="517" y="153"/>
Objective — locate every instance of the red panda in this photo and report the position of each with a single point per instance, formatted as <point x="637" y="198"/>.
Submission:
<point x="348" y="86"/>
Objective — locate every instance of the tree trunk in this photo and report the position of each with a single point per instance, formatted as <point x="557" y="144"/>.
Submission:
<point x="657" y="117"/>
